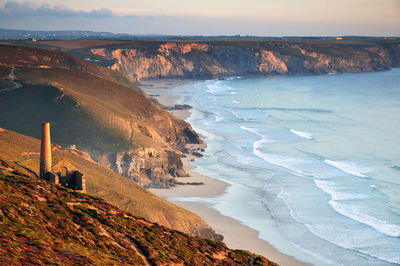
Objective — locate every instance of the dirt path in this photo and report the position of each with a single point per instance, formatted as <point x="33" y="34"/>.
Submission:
<point x="138" y="250"/>
<point x="11" y="78"/>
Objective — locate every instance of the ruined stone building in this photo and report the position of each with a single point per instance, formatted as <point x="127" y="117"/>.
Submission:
<point x="63" y="173"/>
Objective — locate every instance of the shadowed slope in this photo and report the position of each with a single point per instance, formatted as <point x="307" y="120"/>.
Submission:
<point x="117" y="125"/>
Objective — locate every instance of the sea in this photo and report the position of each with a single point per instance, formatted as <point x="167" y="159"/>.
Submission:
<point x="313" y="161"/>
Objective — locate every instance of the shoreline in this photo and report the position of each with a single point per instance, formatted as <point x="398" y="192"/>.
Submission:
<point x="199" y="197"/>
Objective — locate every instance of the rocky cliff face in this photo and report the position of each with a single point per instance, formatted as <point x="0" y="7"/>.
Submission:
<point x="101" y="182"/>
<point x="214" y="59"/>
<point x="118" y="126"/>
<point x="146" y="166"/>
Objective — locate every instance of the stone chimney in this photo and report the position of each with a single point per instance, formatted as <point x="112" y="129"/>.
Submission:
<point x="45" y="151"/>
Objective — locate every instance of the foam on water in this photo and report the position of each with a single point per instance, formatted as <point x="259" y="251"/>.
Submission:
<point x="356" y="214"/>
<point x="283" y="195"/>
<point x="215" y="87"/>
<point x="236" y="114"/>
<point x="218" y="117"/>
<point x="389" y="257"/>
<point x="253" y="130"/>
<point x="303" y="134"/>
<point x="396" y="167"/>
<point x="282" y="161"/>
<point x="330" y="188"/>
<point x="350" y="167"/>
<point x="346" y="208"/>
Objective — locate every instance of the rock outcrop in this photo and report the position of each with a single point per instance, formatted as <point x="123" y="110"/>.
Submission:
<point x="22" y="152"/>
<point x="215" y="59"/>
<point x="146" y="166"/>
<point x="117" y="125"/>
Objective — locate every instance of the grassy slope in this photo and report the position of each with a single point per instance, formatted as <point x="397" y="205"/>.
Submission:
<point x="100" y="97"/>
<point x="46" y="224"/>
<point x="89" y="108"/>
<point x="104" y="183"/>
<point x="26" y="108"/>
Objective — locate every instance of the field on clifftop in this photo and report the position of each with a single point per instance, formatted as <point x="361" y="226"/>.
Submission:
<point x="206" y="59"/>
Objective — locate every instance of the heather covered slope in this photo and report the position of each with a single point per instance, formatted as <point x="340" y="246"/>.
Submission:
<point x="118" y="126"/>
<point x="104" y="183"/>
<point x="42" y="223"/>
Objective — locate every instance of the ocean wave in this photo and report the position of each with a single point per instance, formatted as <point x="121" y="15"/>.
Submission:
<point x="236" y="102"/>
<point x="247" y="114"/>
<point x="282" y="161"/>
<point x="354" y="212"/>
<point x="218" y="117"/>
<point x="213" y="99"/>
<point x="236" y="114"/>
<point x="329" y="188"/>
<point x="350" y="167"/>
<point x="252" y="130"/>
<point x="307" y="110"/>
<point x="282" y="195"/>
<point x="321" y="232"/>
<point x="317" y="255"/>
<point x="233" y="78"/>
<point x="302" y="134"/>
<point x="396" y="167"/>
<point x="214" y="88"/>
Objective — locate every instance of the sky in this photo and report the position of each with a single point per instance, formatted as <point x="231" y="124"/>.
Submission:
<point x="207" y="17"/>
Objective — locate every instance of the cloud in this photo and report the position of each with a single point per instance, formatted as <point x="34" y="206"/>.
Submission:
<point x="31" y="9"/>
<point x="32" y="16"/>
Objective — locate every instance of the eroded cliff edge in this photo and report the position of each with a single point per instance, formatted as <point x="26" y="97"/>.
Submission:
<point x="88" y="108"/>
<point x="192" y="60"/>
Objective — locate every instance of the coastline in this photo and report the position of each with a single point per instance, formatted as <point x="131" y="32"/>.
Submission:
<point x="236" y="235"/>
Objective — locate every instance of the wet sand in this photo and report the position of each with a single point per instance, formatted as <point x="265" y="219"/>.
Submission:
<point x="236" y="235"/>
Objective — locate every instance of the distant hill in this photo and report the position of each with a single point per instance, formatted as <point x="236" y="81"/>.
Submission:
<point x="23" y="153"/>
<point x="94" y="108"/>
<point x="42" y="223"/>
<point x="12" y="34"/>
<point x="205" y="59"/>
<point x="9" y="34"/>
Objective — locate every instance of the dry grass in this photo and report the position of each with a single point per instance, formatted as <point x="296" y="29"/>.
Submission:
<point x="42" y="223"/>
<point x="104" y="183"/>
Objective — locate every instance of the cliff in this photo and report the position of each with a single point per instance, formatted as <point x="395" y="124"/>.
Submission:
<point x="105" y="183"/>
<point x="218" y="58"/>
<point x="23" y="152"/>
<point x="42" y="223"/>
<point x="89" y="107"/>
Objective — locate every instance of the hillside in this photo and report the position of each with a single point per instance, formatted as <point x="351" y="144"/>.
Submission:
<point x="141" y="60"/>
<point x="90" y="107"/>
<point x="42" y="223"/>
<point x="104" y="183"/>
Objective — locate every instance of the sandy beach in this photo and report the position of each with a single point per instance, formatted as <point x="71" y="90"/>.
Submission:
<point x="236" y="235"/>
